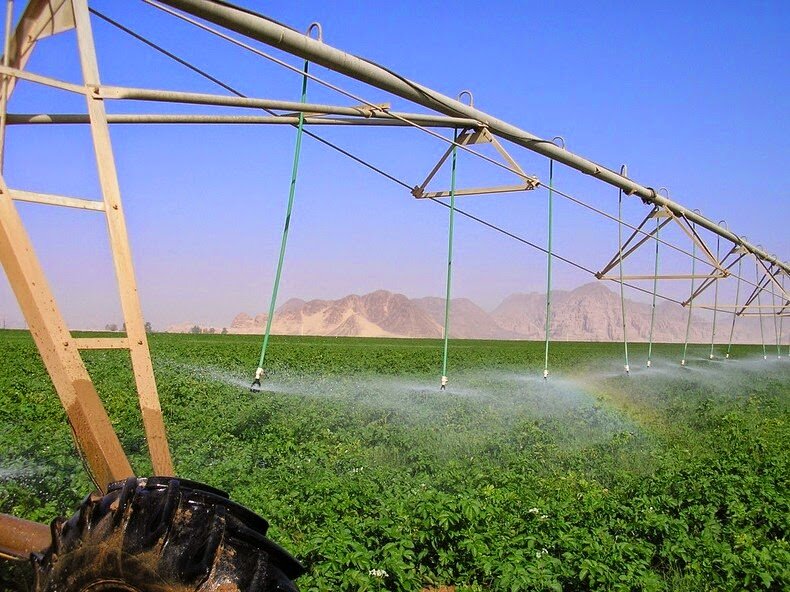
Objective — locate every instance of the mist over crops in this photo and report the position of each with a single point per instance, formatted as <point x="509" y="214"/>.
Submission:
<point x="668" y="478"/>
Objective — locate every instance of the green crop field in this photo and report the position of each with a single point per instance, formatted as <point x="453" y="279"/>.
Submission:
<point x="668" y="479"/>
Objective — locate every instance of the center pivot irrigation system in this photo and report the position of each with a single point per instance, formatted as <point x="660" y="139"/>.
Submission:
<point x="191" y="535"/>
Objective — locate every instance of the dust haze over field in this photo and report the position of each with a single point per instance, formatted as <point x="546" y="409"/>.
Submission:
<point x="504" y="397"/>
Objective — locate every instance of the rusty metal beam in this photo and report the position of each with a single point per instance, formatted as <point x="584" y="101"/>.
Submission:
<point x="19" y="538"/>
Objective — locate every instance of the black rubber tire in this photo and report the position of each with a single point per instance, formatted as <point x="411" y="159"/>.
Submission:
<point x="162" y="534"/>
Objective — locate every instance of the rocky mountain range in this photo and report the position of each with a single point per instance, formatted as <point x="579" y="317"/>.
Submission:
<point x="589" y="313"/>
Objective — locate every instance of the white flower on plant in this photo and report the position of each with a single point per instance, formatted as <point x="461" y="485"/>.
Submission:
<point x="533" y="511"/>
<point x="541" y="553"/>
<point x="378" y="573"/>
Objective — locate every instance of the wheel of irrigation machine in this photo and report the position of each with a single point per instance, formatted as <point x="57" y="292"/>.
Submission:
<point x="163" y="534"/>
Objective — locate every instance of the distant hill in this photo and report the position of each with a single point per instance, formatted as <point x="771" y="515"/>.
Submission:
<point x="589" y="313"/>
<point x="592" y="312"/>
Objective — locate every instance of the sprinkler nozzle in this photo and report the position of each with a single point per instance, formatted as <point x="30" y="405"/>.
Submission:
<point x="445" y="380"/>
<point x="545" y="374"/>
<point x="682" y="362"/>
<point x="727" y="356"/>
<point x="710" y="357"/>
<point x="648" y="363"/>
<point x="256" y="383"/>
<point x="627" y="369"/>
<point x="765" y="357"/>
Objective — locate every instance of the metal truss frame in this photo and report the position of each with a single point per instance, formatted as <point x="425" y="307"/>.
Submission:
<point x="61" y="350"/>
<point x="470" y="137"/>
<point x="721" y="268"/>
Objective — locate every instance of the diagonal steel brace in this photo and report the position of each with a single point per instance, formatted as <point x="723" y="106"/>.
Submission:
<point x="480" y="136"/>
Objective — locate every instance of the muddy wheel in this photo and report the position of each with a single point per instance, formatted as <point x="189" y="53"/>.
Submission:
<point x="163" y="534"/>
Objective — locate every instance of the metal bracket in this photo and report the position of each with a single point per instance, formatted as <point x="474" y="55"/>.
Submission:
<point x="479" y="136"/>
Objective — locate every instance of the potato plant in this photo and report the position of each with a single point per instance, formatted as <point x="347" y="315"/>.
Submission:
<point x="673" y="479"/>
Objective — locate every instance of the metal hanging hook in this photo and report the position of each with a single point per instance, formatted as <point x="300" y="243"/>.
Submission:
<point x="468" y="93"/>
<point x="624" y="170"/>
<point x="316" y="26"/>
<point x="561" y="139"/>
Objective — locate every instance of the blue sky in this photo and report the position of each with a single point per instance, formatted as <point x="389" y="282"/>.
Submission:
<point x="692" y="98"/>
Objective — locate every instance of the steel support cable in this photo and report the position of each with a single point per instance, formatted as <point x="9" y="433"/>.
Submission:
<point x="690" y="304"/>
<point x="238" y="93"/>
<point x="286" y="227"/>
<point x="655" y="289"/>
<point x="550" y="227"/>
<point x="620" y="257"/>
<point x="339" y="90"/>
<point x="331" y="86"/>
<point x="365" y="163"/>
<point x="449" y="268"/>
<point x="537" y="247"/>
<point x="735" y="309"/>
<point x="342" y="91"/>
<point x="373" y="106"/>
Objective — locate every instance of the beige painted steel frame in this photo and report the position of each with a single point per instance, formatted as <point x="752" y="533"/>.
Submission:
<point x="768" y="278"/>
<point x="476" y="136"/>
<point x="122" y="256"/>
<point x="60" y="351"/>
<point x="688" y="230"/>
<point x="721" y="268"/>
